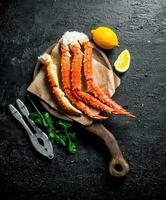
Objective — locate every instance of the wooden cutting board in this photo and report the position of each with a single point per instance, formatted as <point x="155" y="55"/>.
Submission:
<point x="118" y="167"/>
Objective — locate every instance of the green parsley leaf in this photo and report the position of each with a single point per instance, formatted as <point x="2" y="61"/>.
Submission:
<point x="61" y="135"/>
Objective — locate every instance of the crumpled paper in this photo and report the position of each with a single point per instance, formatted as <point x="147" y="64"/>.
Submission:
<point x="103" y="77"/>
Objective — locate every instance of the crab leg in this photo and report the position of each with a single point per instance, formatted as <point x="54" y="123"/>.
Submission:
<point x="65" y="71"/>
<point x="95" y="90"/>
<point x="59" y="95"/>
<point x="76" y="81"/>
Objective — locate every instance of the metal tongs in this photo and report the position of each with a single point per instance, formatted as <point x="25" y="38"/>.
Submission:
<point x="39" y="139"/>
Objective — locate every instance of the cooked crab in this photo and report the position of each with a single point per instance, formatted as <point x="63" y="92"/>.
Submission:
<point x="100" y="100"/>
<point x="52" y="74"/>
<point x="67" y="87"/>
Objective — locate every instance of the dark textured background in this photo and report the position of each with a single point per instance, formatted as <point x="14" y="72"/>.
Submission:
<point x="27" y="27"/>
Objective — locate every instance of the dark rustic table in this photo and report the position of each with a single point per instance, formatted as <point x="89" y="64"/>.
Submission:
<point x="27" y="28"/>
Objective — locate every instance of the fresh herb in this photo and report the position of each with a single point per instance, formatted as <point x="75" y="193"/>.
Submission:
<point x="61" y="135"/>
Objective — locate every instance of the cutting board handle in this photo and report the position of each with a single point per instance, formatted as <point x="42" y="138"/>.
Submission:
<point x="118" y="166"/>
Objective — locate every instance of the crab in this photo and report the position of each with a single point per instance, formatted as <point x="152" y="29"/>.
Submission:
<point x="71" y="77"/>
<point x="67" y="86"/>
<point x="59" y="96"/>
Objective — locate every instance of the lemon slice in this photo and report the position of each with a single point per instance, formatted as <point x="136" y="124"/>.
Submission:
<point x="123" y="61"/>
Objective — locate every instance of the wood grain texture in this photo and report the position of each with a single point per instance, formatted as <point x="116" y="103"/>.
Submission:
<point x="27" y="28"/>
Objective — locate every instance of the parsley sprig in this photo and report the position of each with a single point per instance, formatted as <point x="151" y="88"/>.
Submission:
<point x="62" y="135"/>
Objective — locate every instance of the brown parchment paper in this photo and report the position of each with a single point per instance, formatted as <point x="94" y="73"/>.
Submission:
<point x="103" y="77"/>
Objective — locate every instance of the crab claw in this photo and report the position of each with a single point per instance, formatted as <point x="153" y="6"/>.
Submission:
<point x="52" y="74"/>
<point x="67" y="87"/>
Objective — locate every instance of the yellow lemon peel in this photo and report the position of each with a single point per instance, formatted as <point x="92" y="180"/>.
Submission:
<point x="105" y="37"/>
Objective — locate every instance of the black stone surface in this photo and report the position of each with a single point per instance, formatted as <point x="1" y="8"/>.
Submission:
<point x="27" y="28"/>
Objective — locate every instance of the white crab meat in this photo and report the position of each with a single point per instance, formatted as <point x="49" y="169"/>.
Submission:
<point x="73" y="38"/>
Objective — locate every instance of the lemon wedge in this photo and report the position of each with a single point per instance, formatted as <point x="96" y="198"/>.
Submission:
<point x="123" y="61"/>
